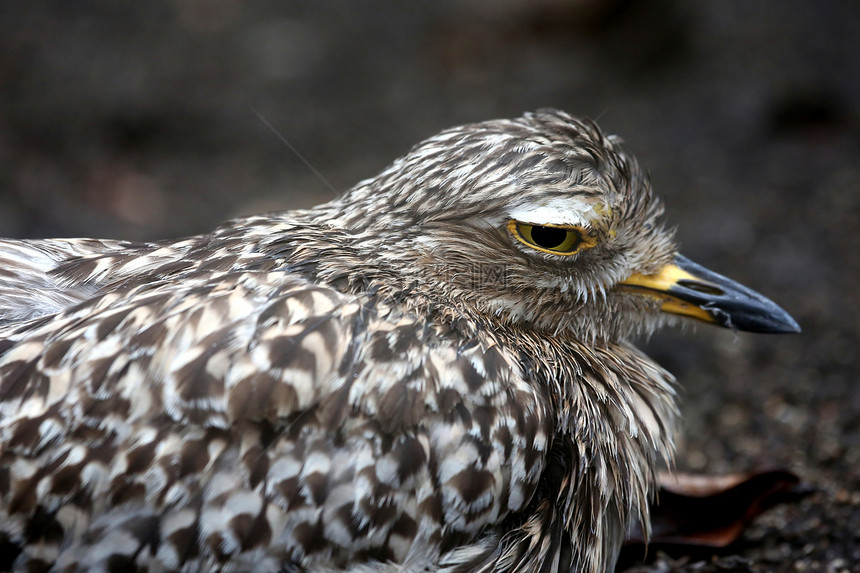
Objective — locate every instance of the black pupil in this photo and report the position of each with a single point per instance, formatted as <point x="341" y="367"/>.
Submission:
<point x="548" y="237"/>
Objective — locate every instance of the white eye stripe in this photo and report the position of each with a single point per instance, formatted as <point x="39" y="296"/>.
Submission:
<point x="570" y="211"/>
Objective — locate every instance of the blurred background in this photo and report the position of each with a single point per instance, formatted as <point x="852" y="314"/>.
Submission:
<point x="140" y="120"/>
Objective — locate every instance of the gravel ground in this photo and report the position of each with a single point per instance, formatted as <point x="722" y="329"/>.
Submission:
<point x="140" y="121"/>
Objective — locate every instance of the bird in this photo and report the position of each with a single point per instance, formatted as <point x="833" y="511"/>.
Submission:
<point x="433" y="372"/>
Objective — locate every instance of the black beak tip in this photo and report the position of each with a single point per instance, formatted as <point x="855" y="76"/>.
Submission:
<point x="776" y="325"/>
<point x="784" y="324"/>
<point x="773" y="320"/>
<point x="791" y="326"/>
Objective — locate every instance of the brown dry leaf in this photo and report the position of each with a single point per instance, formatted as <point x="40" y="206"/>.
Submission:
<point x="695" y="512"/>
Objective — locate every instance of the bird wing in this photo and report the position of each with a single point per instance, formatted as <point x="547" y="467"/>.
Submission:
<point x="29" y="283"/>
<point x="255" y="418"/>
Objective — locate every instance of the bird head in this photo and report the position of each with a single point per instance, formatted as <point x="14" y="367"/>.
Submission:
<point x="541" y="221"/>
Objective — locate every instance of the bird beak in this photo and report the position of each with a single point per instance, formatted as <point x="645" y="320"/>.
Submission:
<point x="689" y="289"/>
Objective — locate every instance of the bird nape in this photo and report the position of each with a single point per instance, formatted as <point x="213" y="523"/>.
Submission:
<point x="432" y="372"/>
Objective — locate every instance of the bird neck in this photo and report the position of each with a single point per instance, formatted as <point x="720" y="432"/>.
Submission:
<point x="615" y="413"/>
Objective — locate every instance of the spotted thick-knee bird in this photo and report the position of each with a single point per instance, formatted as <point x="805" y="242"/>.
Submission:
<point x="430" y="373"/>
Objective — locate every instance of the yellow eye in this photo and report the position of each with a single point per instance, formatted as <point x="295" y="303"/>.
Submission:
<point x="552" y="239"/>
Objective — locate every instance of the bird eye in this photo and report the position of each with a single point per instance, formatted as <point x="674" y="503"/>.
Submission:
<point x="553" y="239"/>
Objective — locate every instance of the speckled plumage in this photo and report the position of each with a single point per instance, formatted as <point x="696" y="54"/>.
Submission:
<point x="388" y="382"/>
